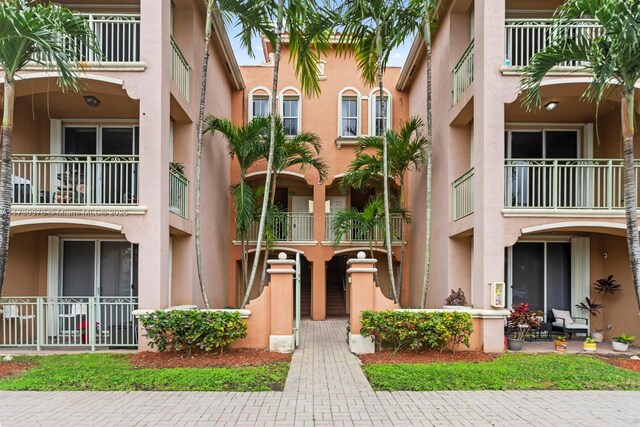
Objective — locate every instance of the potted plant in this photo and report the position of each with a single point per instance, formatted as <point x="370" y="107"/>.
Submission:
<point x="589" y="344"/>
<point x="84" y="332"/>
<point x="597" y="335"/>
<point x="622" y="341"/>
<point x="520" y="322"/>
<point x="456" y="300"/>
<point x="561" y="343"/>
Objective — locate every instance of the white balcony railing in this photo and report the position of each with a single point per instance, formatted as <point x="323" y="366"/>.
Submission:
<point x="43" y="322"/>
<point x="178" y="193"/>
<point x="526" y="37"/>
<point x="565" y="184"/>
<point x="118" y="37"/>
<point x="360" y="233"/>
<point x="463" y="196"/>
<point x="70" y="179"/>
<point x="463" y="73"/>
<point x="288" y="227"/>
<point x="180" y="70"/>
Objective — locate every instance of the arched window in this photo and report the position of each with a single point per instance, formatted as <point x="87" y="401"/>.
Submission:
<point x="349" y="113"/>
<point x="259" y="102"/>
<point x="376" y="108"/>
<point x="290" y="109"/>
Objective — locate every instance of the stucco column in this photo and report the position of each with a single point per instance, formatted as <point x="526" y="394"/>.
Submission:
<point x="153" y="175"/>
<point x="281" y="272"/>
<point x="361" y="298"/>
<point x="488" y="157"/>
<point x="318" y="273"/>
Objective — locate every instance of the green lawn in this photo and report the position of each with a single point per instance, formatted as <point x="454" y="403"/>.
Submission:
<point x="113" y="372"/>
<point x="508" y="372"/>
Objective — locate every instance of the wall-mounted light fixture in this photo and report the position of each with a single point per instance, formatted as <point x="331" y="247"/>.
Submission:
<point x="91" y="101"/>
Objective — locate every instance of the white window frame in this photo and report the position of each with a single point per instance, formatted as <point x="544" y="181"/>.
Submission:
<point x="263" y="92"/>
<point x="350" y="92"/>
<point x="290" y="92"/>
<point x="373" y="98"/>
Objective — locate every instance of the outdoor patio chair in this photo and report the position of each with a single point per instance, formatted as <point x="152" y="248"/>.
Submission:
<point x="566" y="324"/>
<point x="71" y="319"/>
<point x="21" y="329"/>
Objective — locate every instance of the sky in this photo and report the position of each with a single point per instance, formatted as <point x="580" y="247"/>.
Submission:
<point x="397" y="57"/>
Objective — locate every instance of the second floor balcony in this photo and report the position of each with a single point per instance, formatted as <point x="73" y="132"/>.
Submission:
<point x="74" y="180"/>
<point x="287" y="227"/>
<point x="362" y="234"/>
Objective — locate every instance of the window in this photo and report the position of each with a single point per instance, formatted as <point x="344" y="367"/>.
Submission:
<point x="376" y="108"/>
<point x="260" y="106"/>
<point x="349" y="119"/>
<point x="291" y="115"/>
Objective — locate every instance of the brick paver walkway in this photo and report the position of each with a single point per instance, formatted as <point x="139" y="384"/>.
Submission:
<point x="325" y="387"/>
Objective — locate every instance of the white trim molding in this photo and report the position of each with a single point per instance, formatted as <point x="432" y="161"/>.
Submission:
<point x="573" y="224"/>
<point x="253" y="91"/>
<point x="67" y="221"/>
<point x="350" y="92"/>
<point x="289" y="173"/>
<point x="373" y="97"/>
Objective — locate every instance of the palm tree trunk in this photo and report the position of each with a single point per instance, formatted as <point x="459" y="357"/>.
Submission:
<point x="263" y="277"/>
<point x="630" y="199"/>
<point x="272" y="143"/>
<point x="375" y="273"/>
<point x="385" y="178"/>
<point x="402" y="248"/>
<point x="6" y="151"/>
<point x="427" y="249"/>
<point x="203" y="97"/>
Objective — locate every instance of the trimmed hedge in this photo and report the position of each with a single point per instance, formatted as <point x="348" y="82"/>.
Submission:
<point x="193" y="330"/>
<point x="417" y="330"/>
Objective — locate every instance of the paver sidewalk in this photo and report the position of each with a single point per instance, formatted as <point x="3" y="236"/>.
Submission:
<point x="325" y="387"/>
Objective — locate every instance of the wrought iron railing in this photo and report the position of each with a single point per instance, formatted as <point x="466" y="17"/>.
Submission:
<point x="93" y="322"/>
<point x="463" y="195"/>
<point x="73" y="179"/>
<point x="463" y="73"/>
<point x="359" y="232"/>
<point x="288" y="227"/>
<point x="178" y="193"/>
<point x="526" y="37"/>
<point x="565" y="183"/>
<point x="180" y="70"/>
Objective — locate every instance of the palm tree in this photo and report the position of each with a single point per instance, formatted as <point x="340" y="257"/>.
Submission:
<point x="246" y="144"/>
<point x="309" y="29"/>
<point x="301" y="151"/>
<point x="371" y="30"/>
<point x="406" y="153"/>
<point x="253" y="18"/>
<point x="41" y="32"/>
<point x="611" y="57"/>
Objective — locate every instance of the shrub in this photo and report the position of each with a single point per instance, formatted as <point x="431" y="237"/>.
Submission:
<point x="193" y="330"/>
<point x="417" y="330"/>
<point x="456" y="298"/>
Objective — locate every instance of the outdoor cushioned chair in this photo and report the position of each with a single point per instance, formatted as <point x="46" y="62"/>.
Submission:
<point x="566" y="324"/>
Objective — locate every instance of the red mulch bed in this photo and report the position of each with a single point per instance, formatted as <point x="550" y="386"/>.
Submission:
<point x="632" y="365"/>
<point x="9" y="369"/>
<point x="427" y="357"/>
<point x="234" y="358"/>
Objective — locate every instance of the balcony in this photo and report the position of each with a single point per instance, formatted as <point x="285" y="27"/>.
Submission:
<point x="463" y="73"/>
<point x="526" y="37"/>
<point x="576" y="184"/>
<point x="46" y="322"/>
<point x="288" y="227"/>
<point x="180" y="70"/>
<point x="362" y="235"/>
<point x="74" y="180"/>
<point x="178" y="193"/>
<point x="463" y="196"/>
<point x="118" y="37"/>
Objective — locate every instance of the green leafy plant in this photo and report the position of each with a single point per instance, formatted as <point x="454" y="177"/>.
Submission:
<point x="456" y="298"/>
<point x="607" y="285"/>
<point x="589" y="340"/>
<point x="193" y="330"/>
<point x="561" y="338"/>
<point x="417" y="330"/>
<point x="625" y="339"/>
<point x="521" y="320"/>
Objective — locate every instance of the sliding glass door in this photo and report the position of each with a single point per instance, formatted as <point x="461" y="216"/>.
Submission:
<point x="539" y="273"/>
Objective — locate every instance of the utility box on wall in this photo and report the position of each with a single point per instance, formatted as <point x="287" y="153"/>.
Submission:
<point x="497" y="294"/>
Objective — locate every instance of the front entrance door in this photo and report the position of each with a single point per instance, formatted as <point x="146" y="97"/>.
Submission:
<point x="540" y="275"/>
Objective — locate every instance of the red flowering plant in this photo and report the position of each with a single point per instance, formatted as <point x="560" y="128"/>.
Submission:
<point x="521" y="320"/>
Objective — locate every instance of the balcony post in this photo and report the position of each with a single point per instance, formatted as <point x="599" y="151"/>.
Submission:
<point x="40" y="335"/>
<point x="554" y="185"/>
<point x="609" y="190"/>
<point x="35" y="180"/>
